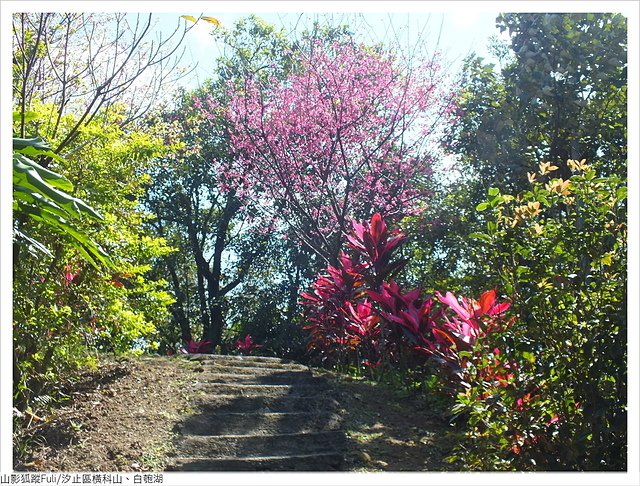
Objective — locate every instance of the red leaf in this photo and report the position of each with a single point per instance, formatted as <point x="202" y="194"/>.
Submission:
<point x="487" y="300"/>
<point x="377" y="228"/>
<point x="452" y="302"/>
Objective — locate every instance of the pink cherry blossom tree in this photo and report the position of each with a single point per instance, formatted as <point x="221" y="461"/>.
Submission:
<point x="350" y="131"/>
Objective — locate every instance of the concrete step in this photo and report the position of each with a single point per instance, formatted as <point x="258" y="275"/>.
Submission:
<point x="260" y="445"/>
<point x="280" y="378"/>
<point x="208" y="402"/>
<point x="215" y="367"/>
<point x="240" y="360"/>
<point x="261" y="389"/>
<point x="258" y="423"/>
<point x="327" y="461"/>
<point x="259" y="414"/>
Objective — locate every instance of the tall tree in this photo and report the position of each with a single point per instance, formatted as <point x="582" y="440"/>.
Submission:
<point x="559" y="93"/>
<point x="209" y="218"/>
<point x="214" y="227"/>
<point x="344" y="134"/>
<point x="80" y="82"/>
<point x="88" y="63"/>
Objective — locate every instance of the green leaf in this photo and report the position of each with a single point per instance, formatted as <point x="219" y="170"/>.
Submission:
<point x="482" y="206"/>
<point x="480" y="236"/>
<point x="28" y="116"/>
<point x="494" y="191"/>
<point x="35" y="152"/>
<point x="52" y="178"/>
<point x="35" y="243"/>
<point x="79" y="239"/>
<point x="621" y="193"/>
<point x="40" y="194"/>
<point x="33" y="198"/>
<point x="27" y="176"/>
<point x="36" y="142"/>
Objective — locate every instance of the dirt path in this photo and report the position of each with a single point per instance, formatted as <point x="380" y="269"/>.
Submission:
<point x="233" y="413"/>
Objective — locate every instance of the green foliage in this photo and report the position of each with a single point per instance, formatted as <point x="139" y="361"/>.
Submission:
<point x="559" y="248"/>
<point x="65" y="308"/>
<point x="545" y="393"/>
<point x="265" y="305"/>
<point x="550" y="233"/>
<point x="559" y="93"/>
<point x="231" y="274"/>
<point x="43" y="196"/>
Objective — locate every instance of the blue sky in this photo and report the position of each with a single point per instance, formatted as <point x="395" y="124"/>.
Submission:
<point x="454" y="34"/>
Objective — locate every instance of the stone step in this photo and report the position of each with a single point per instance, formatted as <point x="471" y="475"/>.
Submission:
<point x="259" y="414"/>
<point x="258" y="423"/>
<point x="283" y="378"/>
<point x="215" y="367"/>
<point x="240" y="360"/>
<point x="266" y="390"/>
<point x="209" y="402"/>
<point x="260" y="445"/>
<point x="327" y="461"/>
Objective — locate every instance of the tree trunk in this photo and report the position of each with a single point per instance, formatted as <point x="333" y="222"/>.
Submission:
<point x="214" y="274"/>
<point x="178" y="307"/>
<point x="214" y="333"/>
<point x="202" y="297"/>
<point x="294" y="291"/>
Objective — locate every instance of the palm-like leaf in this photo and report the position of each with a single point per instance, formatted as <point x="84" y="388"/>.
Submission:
<point x="42" y="195"/>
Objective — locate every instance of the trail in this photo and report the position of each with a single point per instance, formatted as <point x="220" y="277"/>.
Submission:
<point x="235" y="413"/>
<point x="259" y="414"/>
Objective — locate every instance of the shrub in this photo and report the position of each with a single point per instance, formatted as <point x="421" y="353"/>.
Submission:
<point x="560" y="249"/>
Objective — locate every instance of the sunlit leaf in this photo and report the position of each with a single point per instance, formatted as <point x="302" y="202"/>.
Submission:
<point x="190" y="18"/>
<point x="43" y="195"/>
<point x="480" y="236"/>
<point x="211" y="20"/>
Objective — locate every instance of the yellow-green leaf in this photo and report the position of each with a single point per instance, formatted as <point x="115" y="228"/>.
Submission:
<point x="211" y="20"/>
<point x="607" y="259"/>
<point x="190" y="18"/>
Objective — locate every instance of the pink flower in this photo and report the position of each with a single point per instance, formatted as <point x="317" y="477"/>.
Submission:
<point x="342" y="134"/>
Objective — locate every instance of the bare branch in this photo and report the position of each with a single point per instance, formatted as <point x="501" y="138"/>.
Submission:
<point x="87" y="63"/>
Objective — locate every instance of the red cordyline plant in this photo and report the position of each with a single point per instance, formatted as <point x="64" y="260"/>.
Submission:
<point x="341" y="320"/>
<point x="356" y="311"/>
<point x="447" y="334"/>
<point x="246" y="345"/>
<point x="193" y="347"/>
<point x="375" y="244"/>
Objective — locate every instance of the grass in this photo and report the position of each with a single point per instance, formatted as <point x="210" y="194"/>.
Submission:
<point x="154" y="459"/>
